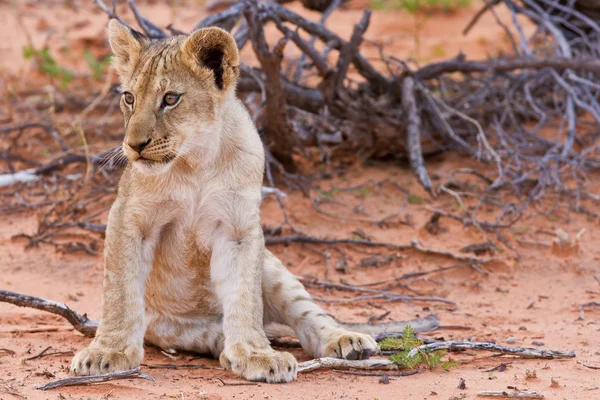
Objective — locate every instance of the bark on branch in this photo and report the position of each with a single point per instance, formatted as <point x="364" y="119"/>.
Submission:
<point x="81" y="323"/>
<point x="87" y="380"/>
<point x="517" y="351"/>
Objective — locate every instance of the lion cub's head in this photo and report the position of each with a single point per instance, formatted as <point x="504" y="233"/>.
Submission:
<point x="172" y="92"/>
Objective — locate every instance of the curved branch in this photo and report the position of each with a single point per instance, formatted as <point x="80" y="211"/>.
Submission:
<point x="517" y="351"/>
<point x="81" y="323"/>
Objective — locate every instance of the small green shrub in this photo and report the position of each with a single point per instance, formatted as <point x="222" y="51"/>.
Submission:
<point x="414" y="6"/>
<point x="408" y="342"/>
<point x="48" y="65"/>
<point x="97" y="66"/>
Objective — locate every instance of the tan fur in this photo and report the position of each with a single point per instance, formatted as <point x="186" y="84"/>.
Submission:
<point x="185" y="261"/>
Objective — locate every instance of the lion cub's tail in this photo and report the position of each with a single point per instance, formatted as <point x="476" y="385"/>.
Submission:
<point x="378" y="330"/>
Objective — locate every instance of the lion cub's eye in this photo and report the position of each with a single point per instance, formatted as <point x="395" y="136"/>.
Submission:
<point x="170" y="99"/>
<point x="128" y="97"/>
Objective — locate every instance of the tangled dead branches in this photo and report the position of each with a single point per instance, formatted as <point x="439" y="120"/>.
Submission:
<point x="532" y="114"/>
<point x="494" y="110"/>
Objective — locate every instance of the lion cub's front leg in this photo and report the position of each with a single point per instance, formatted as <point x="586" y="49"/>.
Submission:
<point x="118" y="344"/>
<point x="236" y="273"/>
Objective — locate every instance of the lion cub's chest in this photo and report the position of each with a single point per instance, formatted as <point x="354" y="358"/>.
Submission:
<point x="179" y="283"/>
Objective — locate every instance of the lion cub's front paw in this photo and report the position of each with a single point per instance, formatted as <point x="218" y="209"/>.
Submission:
<point x="349" y="345"/>
<point x="96" y="360"/>
<point x="263" y="365"/>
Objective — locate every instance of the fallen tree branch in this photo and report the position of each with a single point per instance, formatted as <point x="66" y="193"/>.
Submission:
<point x="413" y="134"/>
<point x="510" y="395"/>
<point x="328" y="362"/>
<point x="81" y="323"/>
<point x="517" y="351"/>
<point x="414" y="245"/>
<point x="176" y="366"/>
<point x="375" y="293"/>
<point x="86" y="380"/>
<point x="44" y="353"/>
<point x="367" y="373"/>
<point x="434" y="70"/>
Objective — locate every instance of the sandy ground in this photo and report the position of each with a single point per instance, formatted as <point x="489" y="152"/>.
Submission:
<point x="535" y="303"/>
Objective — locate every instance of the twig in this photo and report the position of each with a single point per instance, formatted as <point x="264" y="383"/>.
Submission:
<point x="413" y="134"/>
<point x="518" y="351"/>
<point x="328" y="362"/>
<point x="367" y="373"/>
<point x="80" y="322"/>
<point x="44" y="353"/>
<point x="86" y="380"/>
<point x="376" y="293"/>
<point x="590" y="366"/>
<point x="13" y="392"/>
<point x="9" y="351"/>
<point x="175" y="366"/>
<point x="415" y="245"/>
<point x="510" y="395"/>
<point x="499" y="368"/>
<point x="237" y="383"/>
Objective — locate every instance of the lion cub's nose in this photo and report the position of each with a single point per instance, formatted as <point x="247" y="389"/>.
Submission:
<point x="139" y="146"/>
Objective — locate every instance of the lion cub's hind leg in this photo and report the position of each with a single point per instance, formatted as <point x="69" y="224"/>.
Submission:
<point x="287" y="301"/>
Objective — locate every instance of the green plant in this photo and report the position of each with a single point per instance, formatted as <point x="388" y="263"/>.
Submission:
<point x="408" y="342"/>
<point x="414" y="6"/>
<point x="364" y="191"/>
<point x="413" y="199"/>
<point x="48" y="65"/>
<point x="96" y="65"/>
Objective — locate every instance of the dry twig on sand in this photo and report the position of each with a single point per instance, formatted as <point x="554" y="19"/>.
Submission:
<point x="81" y="323"/>
<point x="517" y="351"/>
<point x="510" y="395"/>
<point x="86" y="380"/>
<point x="328" y="362"/>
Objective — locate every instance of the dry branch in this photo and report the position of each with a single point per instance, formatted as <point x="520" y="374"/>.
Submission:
<point x="87" y="380"/>
<point x="510" y="395"/>
<point x="81" y="323"/>
<point x="278" y="130"/>
<point x="413" y="133"/>
<point x="414" y="245"/>
<point x="486" y="108"/>
<point x="328" y="362"/>
<point x="517" y="351"/>
<point x="386" y="374"/>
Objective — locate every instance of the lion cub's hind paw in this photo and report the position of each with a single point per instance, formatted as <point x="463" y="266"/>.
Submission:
<point x="263" y="366"/>
<point x="94" y="361"/>
<point x="350" y="346"/>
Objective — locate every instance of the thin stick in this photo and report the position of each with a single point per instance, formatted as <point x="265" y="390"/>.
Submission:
<point x="86" y="380"/>
<point x="414" y="245"/>
<point x="510" y="395"/>
<point x="237" y="383"/>
<point x="376" y="294"/>
<point x="590" y="366"/>
<point x="44" y="354"/>
<point x="328" y="362"/>
<point x="413" y="134"/>
<point x="81" y="323"/>
<point x="518" y="351"/>
<point x="176" y="366"/>
<point x="367" y="373"/>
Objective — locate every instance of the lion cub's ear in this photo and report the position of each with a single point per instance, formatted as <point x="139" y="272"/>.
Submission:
<point x="127" y="44"/>
<point x="213" y="49"/>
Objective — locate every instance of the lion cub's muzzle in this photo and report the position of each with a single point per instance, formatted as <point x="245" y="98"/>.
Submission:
<point x="150" y="150"/>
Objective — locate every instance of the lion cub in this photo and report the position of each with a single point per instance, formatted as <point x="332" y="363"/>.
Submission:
<point x="185" y="261"/>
